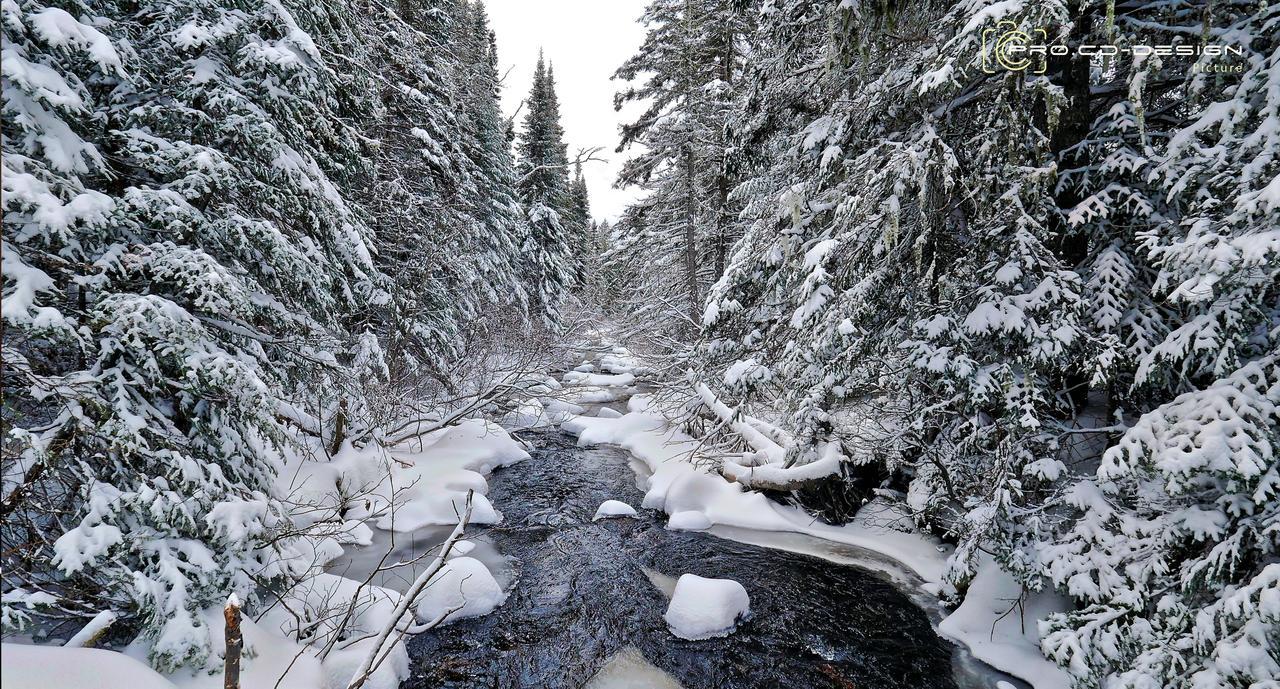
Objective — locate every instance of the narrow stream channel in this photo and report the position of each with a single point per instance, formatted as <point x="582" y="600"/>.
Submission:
<point x="587" y="598"/>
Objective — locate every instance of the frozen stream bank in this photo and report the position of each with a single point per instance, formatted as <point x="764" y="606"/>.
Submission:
<point x="583" y="592"/>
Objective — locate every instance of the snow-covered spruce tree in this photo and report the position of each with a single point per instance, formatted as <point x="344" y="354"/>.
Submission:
<point x="189" y="192"/>
<point x="175" y="254"/>
<point x="902" y="284"/>
<point x="498" y="205"/>
<point x="543" y="184"/>
<point x="441" y="189"/>
<point x="1174" y="552"/>
<point x="685" y="72"/>
<point x="581" y="230"/>
<point x="941" y="262"/>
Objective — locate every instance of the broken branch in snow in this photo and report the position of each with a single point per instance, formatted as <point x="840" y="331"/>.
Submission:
<point x="235" y="641"/>
<point x="737" y="421"/>
<point x="767" y="469"/>
<point x="88" y="636"/>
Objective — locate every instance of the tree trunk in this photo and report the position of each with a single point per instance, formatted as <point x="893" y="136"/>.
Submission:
<point x="690" y="240"/>
<point x="1069" y="244"/>
<point x="235" y="642"/>
<point x="339" y="427"/>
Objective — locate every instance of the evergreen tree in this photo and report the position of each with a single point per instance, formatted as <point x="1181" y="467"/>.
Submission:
<point x="218" y="213"/>
<point x="544" y="190"/>
<point x="955" y="274"/>
<point x="688" y="64"/>
<point x="175" y="256"/>
<point x="581" y="229"/>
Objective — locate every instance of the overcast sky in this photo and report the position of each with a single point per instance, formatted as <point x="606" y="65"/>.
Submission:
<point x="586" y="41"/>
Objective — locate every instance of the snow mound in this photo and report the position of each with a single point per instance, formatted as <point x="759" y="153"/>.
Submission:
<point x="704" y="608"/>
<point x="688" y="520"/>
<point x="613" y="508"/>
<point x="465" y="587"/>
<point x="617" y="380"/>
<point x="319" y="609"/>
<point x="530" y="414"/>
<point x="607" y="413"/>
<point x="460" y="548"/>
<point x="58" y="667"/>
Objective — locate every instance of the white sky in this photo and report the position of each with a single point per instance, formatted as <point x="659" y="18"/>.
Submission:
<point x="586" y="41"/>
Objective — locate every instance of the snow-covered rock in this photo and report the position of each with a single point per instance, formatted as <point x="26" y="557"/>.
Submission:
<point x="463" y="585"/>
<point x="607" y="413"/>
<point x="703" y="608"/>
<point x="613" y="508"/>
<point x="530" y="414"/>
<point x="460" y="548"/>
<point x="688" y="520"/>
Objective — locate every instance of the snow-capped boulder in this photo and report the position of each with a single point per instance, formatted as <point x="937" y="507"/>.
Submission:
<point x="703" y="608"/>
<point x="463" y="585"/>
<point x="613" y="508"/>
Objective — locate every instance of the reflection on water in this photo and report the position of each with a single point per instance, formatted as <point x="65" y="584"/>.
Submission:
<point x="396" y="559"/>
<point x="628" y="669"/>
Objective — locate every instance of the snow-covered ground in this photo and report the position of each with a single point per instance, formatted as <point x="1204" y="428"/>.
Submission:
<point x="989" y="623"/>
<point x="316" y="634"/>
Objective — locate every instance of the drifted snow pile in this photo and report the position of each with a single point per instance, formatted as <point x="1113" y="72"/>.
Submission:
<point x="613" y="508"/>
<point x="322" y="628"/>
<point x="704" y="608"/>
<point x="462" y="588"/>
<point x="427" y="479"/>
<point x="544" y="409"/>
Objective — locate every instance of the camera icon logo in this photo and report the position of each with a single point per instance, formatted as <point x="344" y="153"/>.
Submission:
<point x="1005" y="47"/>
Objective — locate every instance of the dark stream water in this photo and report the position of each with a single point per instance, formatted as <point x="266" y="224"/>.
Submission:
<point x="580" y="594"/>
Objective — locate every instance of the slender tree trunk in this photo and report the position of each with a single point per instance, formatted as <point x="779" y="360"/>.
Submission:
<point x="339" y="427"/>
<point x="690" y="239"/>
<point x="722" y="178"/>
<point x="235" y="642"/>
<point x="1069" y="244"/>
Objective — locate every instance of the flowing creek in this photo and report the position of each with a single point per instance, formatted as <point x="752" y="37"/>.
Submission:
<point x="586" y="598"/>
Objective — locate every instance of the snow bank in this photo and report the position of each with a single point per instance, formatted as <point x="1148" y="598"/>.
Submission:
<point x="59" y="667"/>
<point x="704" y="608"/>
<point x="1003" y="640"/>
<point x="539" y="413"/>
<point x="428" y="477"/>
<point x="316" y="610"/>
<point x="676" y="485"/>
<point x="619" y="380"/>
<point x="697" y="499"/>
<point x="418" y="483"/>
<point x="268" y="656"/>
<point x="463" y="588"/>
<point x="613" y="508"/>
<point x="689" y="520"/>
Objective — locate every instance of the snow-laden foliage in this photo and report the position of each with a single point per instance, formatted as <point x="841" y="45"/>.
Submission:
<point x="556" y="215"/>
<point x="676" y="241"/>
<point x="217" y="214"/>
<point x="1043" y="303"/>
<point x="1174" y="552"/>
